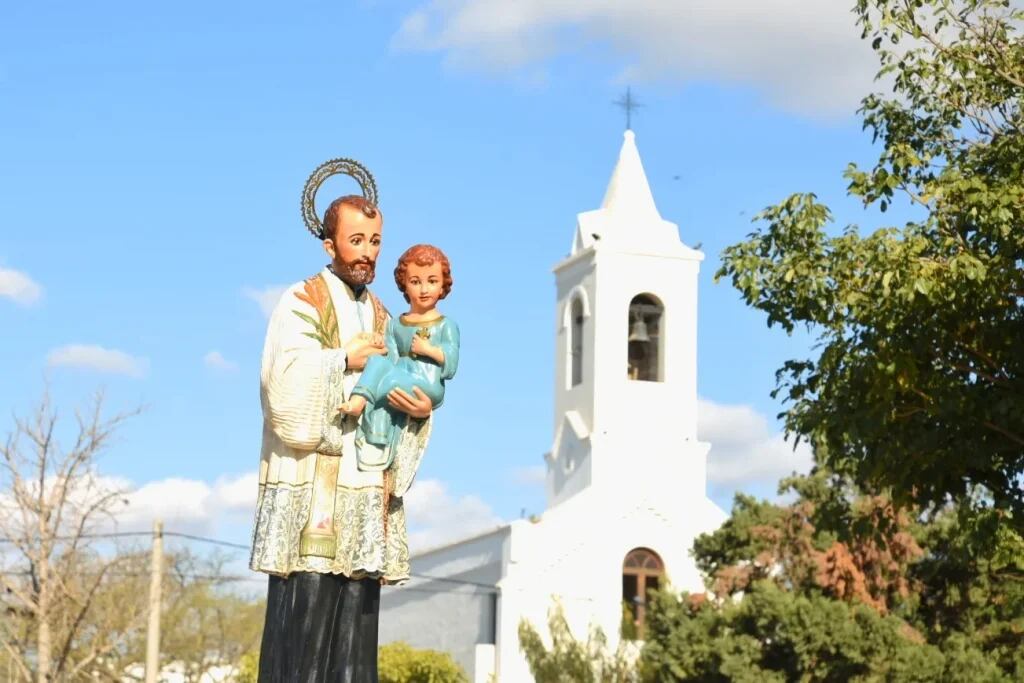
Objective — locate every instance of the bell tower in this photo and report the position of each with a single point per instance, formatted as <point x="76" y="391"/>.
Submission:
<point x="626" y="350"/>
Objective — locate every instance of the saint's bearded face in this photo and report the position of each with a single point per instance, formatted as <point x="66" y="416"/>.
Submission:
<point x="355" y="246"/>
<point x="358" y="272"/>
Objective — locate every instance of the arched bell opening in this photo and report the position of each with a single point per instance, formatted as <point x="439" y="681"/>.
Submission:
<point x="644" y="340"/>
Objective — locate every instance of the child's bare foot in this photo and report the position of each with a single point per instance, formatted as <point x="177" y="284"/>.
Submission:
<point x="353" y="406"/>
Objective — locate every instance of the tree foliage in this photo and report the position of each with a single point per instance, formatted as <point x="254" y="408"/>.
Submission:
<point x="74" y="603"/>
<point x="937" y="593"/>
<point x="971" y="582"/>
<point x="205" y="624"/>
<point x="248" y="669"/>
<point x="919" y="383"/>
<point x="777" y="635"/>
<point x="569" y="660"/>
<point x="400" y="663"/>
<point x="69" y="608"/>
<point x="831" y="541"/>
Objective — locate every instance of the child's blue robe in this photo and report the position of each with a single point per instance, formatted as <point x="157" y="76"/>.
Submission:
<point x="400" y="370"/>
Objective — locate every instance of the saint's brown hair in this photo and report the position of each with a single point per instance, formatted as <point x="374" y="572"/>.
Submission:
<point x="334" y="210"/>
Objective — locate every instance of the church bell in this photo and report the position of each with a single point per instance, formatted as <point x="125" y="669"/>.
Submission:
<point x="639" y="331"/>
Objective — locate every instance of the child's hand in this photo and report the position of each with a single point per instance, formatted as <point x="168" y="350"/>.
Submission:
<point x="421" y="347"/>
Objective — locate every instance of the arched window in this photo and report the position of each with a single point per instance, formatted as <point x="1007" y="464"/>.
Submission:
<point x="642" y="572"/>
<point x="644" y="340"/>
<point x="575" y="311"/>
<point x="576" y="343"/>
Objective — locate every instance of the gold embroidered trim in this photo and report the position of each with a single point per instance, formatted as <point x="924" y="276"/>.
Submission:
<point x="318" y="537"/>
<point x="422" y="323"/>
<point x="380" y="314"/>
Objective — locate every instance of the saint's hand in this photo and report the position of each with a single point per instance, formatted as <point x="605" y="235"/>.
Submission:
<point x="414" y="406"/>
<point x="360" y="347"/>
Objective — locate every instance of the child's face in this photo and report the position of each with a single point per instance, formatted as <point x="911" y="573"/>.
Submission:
<point x="423" y="284"/>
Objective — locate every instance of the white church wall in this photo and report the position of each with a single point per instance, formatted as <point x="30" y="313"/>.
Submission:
<point x="454" y="613"/>
<point x="483" y="664"/>
<point x="569" y="463"/>
<point x="572" y="277"/>
<point x="461" y="556"/>
<point x="576" y="552"/>
<point x="438" y="615"/>
<point x="650" y="465"/>
<point x="619" y="400"/>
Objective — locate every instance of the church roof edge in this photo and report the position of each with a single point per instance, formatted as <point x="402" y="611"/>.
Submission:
<point x="504" y="526"/>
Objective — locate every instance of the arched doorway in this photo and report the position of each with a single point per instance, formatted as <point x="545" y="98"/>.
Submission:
<point x="642" y="572"/>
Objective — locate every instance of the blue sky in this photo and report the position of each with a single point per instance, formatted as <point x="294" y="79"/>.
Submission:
<point x="152" y="158"/>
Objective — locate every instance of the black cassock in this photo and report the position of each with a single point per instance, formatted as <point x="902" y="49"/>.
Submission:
<point x="320" y="628"/>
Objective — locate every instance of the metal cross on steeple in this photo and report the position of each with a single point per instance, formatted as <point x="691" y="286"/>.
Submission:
<point x="628" y="104"/>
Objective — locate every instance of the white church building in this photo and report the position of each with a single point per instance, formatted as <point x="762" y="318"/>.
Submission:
<point x="626" y="475"/>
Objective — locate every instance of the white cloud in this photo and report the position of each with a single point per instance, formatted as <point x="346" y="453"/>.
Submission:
<point x="238" y="494"/>
<point x="746" y="453"/>
<point x="190" y="505"/>
<point x="82" y="492"/>
<point x="436" y="517"/>
<point x="803" y="56"/>
<point x="193" y="506"/>
<point x="222" y="510"/>
<point x="266" y="297"/>
<point x="98" y="358"/>
<point x="19" y="287"/>
<point x="216" y="361"/>
<point x="198" y="507"/>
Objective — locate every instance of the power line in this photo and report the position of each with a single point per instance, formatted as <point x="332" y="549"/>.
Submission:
<point x="127" y="534"/>
<point x="238" y="546"/>
<point x="203" y="539"/>
<point x="186" y="575"/>
<point x="445" y="579"/>
<point x="405" y="589"/>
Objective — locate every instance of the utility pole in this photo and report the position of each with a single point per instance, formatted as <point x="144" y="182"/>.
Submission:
<point x="153" y="633"/>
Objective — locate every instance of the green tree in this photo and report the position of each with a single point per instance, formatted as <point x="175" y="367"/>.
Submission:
<point x="400" y="663"/>
<point x="919" y="383"/>
<point x="70" y="609"/>
<point x="777" y="635"/>
<point x="248" y="668"/>
<point x="831" y="541"/>
<point x="74" y="603"/>
<point x="970" y="584"/>
<point x="205" y="624"/>
<point x="953" y="582"/>
<point x="569" y="660"/>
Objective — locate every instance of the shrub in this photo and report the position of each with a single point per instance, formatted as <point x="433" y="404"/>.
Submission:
<point x="400" y="663"/>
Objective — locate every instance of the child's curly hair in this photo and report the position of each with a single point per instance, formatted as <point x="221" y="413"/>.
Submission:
<point x="423" y="255"/>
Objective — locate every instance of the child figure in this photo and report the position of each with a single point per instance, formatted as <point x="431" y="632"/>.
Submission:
<point x="423" y="351"/>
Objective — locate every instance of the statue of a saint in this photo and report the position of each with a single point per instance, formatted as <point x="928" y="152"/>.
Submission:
<point x="328" y="533"/>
